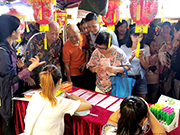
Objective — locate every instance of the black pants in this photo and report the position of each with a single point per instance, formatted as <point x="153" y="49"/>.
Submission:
<point x="8" y="129"/>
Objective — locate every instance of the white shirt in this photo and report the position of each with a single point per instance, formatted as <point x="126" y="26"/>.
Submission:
<point x="135" y="68"/>
<point x="51" y="120"/>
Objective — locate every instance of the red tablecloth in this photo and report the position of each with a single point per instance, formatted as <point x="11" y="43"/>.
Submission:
<point x="81" y="125"/>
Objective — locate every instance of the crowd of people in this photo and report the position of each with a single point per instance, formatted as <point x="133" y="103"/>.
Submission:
<point x="80" y="60"/>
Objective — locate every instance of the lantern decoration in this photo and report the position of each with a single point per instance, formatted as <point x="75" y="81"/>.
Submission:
<point x="127" y="13"/>
<point x="142" y="13"/>
<point x="113" y="13"/>
<point x="43" y="14"/>
<point x="21" y="17"/>
<point x="60" y="17"/>
<point x="162" y="14"/>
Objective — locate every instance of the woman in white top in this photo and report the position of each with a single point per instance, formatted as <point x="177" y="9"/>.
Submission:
<point x="45" y="112"/>
<point x="138" y="64"/>
<point x="131" y="118"/>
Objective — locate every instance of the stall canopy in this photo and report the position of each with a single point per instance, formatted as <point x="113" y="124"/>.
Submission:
<point x="96" y="6"/>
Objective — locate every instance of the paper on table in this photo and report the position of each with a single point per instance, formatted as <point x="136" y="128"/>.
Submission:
<point x="79" y="92"/>
<point x="108" y="101"/>
<point x="87" y="95"/>
<point x="96" y="99"/>
<point x="115" y="106"/>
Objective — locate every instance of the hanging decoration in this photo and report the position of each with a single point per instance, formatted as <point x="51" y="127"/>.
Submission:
<point x="113" y="13"/>
<point x="60" y="17"/>
<point x="162" y="14"/>
<point x="142" y="13"/>
<point x="19" y="15"/>
<point x="43" y="14"/>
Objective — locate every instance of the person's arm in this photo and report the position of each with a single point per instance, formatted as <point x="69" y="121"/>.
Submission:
<point x="85" y="105"/>
<point x="156" y="127"/>
<point x="132" y="56"/>
<point x="113" y="119"/>
<point x="67" y="71"/>
<point x="117" y="69"/>
<point x="144" y="61"/>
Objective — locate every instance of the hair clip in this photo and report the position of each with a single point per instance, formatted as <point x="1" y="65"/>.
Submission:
<point x="131" y="101"/>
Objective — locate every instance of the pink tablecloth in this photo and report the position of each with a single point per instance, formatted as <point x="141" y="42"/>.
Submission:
<point x="81" y="125"/>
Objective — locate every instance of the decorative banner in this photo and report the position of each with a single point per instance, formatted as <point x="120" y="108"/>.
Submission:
<point x="60" y="17"/>
<point x="143" y="12"/>
<point x="113" y="13"/>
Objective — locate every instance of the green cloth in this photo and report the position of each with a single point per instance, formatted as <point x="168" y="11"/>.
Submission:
<point x="96" y="6"/>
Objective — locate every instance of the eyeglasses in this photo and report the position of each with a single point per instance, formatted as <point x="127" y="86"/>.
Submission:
<point x="101" y="48"/>
<point x="19" y="29"/>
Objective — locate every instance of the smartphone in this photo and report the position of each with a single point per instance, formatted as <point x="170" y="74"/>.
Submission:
<point x="141" y="51"/>
<point x="19" y="56"/>
<point x="80" y="69"/>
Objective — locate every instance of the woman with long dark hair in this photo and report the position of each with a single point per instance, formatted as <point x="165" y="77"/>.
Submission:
<point x="138" y="64"/>
<point x="121" y="32"/>
<point x="10" y="30"/>
<point x="130" y="119"/>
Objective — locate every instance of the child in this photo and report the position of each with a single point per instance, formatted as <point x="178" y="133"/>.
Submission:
<point x="152" y="73"/>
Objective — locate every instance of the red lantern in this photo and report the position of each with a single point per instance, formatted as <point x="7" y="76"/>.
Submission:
<point x="19" y="15"/>
<point x="43" y="11"/>
<point x="43" y="14"/>
<point x="143" y="12"/>
<point x="60" y="17"/>
<point x="113" y="13"/>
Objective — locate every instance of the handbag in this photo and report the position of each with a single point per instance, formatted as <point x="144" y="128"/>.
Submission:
<point x="122" y="86"/>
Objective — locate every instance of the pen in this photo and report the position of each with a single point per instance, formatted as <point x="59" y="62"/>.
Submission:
<point x="94" y="114"/>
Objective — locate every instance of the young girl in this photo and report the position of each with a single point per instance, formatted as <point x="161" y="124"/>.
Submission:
<point x="45" y="113"/>
<point x="152" y="73"/>
<point x="129" y="120"/>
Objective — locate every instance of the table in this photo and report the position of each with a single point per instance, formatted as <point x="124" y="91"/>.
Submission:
<point x="81" y="125"/>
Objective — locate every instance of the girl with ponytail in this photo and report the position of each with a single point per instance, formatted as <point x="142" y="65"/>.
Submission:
<point x="129" y="120"/>
<point x="45" y="112"/>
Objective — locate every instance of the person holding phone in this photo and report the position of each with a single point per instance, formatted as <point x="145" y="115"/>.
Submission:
<point x="152" y="73"/>
<point x="138" y="64"/>
<point x="10" y="30"/>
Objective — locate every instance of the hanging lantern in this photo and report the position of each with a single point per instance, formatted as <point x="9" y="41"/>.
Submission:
<point x="113" y="13"/>
<point x="43" y="14"/>
<point x="142" y="13"/>
<point x="60" y="17"/>
<point x="19" y="15"/>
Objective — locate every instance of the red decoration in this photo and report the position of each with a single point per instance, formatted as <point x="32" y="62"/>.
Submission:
<point x="113" y="13"/>
<point x="43" y="11"/>
<point x="143" y="11"/>
<point x="19" y="15"/>
<point x="60" y="18"/>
